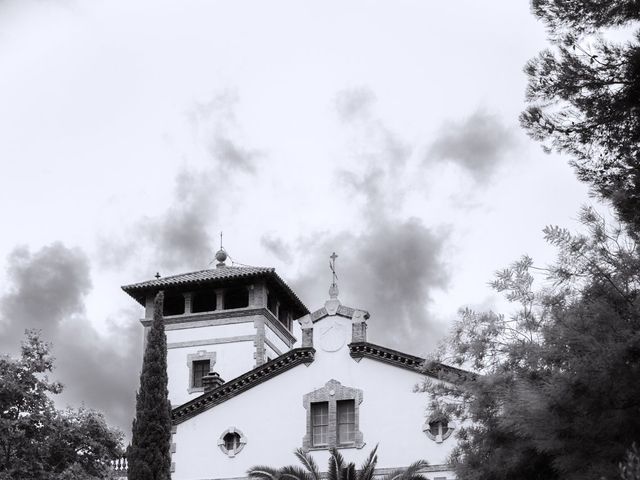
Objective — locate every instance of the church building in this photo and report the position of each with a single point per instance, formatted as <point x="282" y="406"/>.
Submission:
<point x="254" y="375"/>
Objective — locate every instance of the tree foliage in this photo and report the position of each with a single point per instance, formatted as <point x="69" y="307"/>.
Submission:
<point x="338" y="469"/>
<point x="558" y="395"/>
<point x="149" y="455"/>
<point x="584" y="96"/>
<point x="36" y="440"/>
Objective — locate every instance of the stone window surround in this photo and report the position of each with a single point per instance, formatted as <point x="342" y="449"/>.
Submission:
<point x="332" y="392"/>
<point x="193" y="357"/>
<point x="241" y="443"/>
<point x="446" y="432"/>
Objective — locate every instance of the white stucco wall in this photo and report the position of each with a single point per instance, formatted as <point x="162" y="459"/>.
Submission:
<point x="210" y="332"/>
<point x="275" y="339"/>
<point x="272" y="417"/>
<point x="232" y="360"/>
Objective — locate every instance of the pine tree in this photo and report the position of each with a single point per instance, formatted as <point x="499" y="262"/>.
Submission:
<point x="149" y="455"/>
<point x="559" y="396"/>
<point x="583" y="96"/>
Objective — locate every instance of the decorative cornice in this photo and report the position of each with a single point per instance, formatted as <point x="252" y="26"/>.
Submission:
<point x="218" y="317"/>
<point x="242" y="383"/>
<point x="214" y="315"/>
<point x="359" y="350"/>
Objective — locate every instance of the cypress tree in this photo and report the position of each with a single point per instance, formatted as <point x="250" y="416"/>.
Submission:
<point x="149" y="455"/>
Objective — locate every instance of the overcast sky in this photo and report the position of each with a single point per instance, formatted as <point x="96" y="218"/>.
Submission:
<point x="132" y="133"/>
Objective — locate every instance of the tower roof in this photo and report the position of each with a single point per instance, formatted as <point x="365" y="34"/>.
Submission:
<point x="215" y="276"/>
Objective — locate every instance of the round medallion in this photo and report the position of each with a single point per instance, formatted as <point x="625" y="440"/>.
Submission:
<point x="333" y="337"/>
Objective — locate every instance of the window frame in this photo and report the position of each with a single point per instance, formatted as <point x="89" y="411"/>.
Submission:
<point x="443" y="432"/>
<point x="195" y="357"/>
<point x="315" y="425"/>
<point x="331" y="393"/>
<point x="195" y="370"/>
<point x="241" y="442"/>
<point x="352" y="423"/>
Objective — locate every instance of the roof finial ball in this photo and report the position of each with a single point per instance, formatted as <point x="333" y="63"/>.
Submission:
<point x="221" y="255"/>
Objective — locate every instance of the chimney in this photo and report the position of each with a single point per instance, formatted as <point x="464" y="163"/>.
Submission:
<point x="211" y="381"/>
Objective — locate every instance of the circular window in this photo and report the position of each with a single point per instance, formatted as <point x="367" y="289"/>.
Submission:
<point x="438" y="429"/>
<point x="231" y="442"/>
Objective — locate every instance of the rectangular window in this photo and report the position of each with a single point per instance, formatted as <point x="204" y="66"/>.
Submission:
<point x="346" y="422"/>
<point x="320" y="423"/>
<point x="200" y="369"/>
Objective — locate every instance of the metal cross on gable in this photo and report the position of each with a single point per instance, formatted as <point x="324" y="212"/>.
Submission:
<point x="333" y="290"/>
<point x="332" y="266"/>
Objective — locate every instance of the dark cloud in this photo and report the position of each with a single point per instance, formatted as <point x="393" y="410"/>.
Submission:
<point x="390" y="270"/>
<point x="47" y="287"/>
<point x="215" y="125"/>
<point x="394" y="265"/>
<point x="353" y="103"/>
<point x="381" y="155"/>
<point x="478" y="144"/>
<point x="47" y="291"/>
<point x="277" y="247"/>
<point x="179" y="239"/>
<point x="232" y="155"/>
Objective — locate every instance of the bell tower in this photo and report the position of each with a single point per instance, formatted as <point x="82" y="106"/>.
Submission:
<point x="220" y="322"/>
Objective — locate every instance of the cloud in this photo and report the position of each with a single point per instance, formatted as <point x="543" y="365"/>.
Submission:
<point x="389" y="270"/>
<point x="277" y="247"/>
<point x="377" y="175"/>
<point x="478" y="144"/>
<point x="232" y="155"/>
<point x="215" y="125"/>
<point x="392" y="266"/>
<point x="178" y="238"/>
<point x="47" y="291"/>
<point x="48" y="286"/>
<point x="353" y="103"/>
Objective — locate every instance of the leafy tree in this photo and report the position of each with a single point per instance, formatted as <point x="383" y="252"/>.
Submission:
<point x="630" y="467"/>
<point x="36" y="440"/>
<point x="149" y="455"/>
<point x="584" y="96"/>
<point x="558" y="395"/>
<point x="337" y="469"/>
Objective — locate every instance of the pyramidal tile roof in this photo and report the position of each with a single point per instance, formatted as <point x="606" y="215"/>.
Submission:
<point x="200" y="276"/>
<point x="212" y="275"/>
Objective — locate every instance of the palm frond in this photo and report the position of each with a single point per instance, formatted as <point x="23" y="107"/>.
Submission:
<point x="349" y="472"/>
<point x="308" y="462"/>
<point x="409" y="473"/>
<point x="293" y="473"/>
<point x="262" y="472"/>
<point x="336" y="462"/>
<point x="369" y="466"/>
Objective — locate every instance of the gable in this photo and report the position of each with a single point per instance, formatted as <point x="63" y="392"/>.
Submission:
<point x="272" y="415"/>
